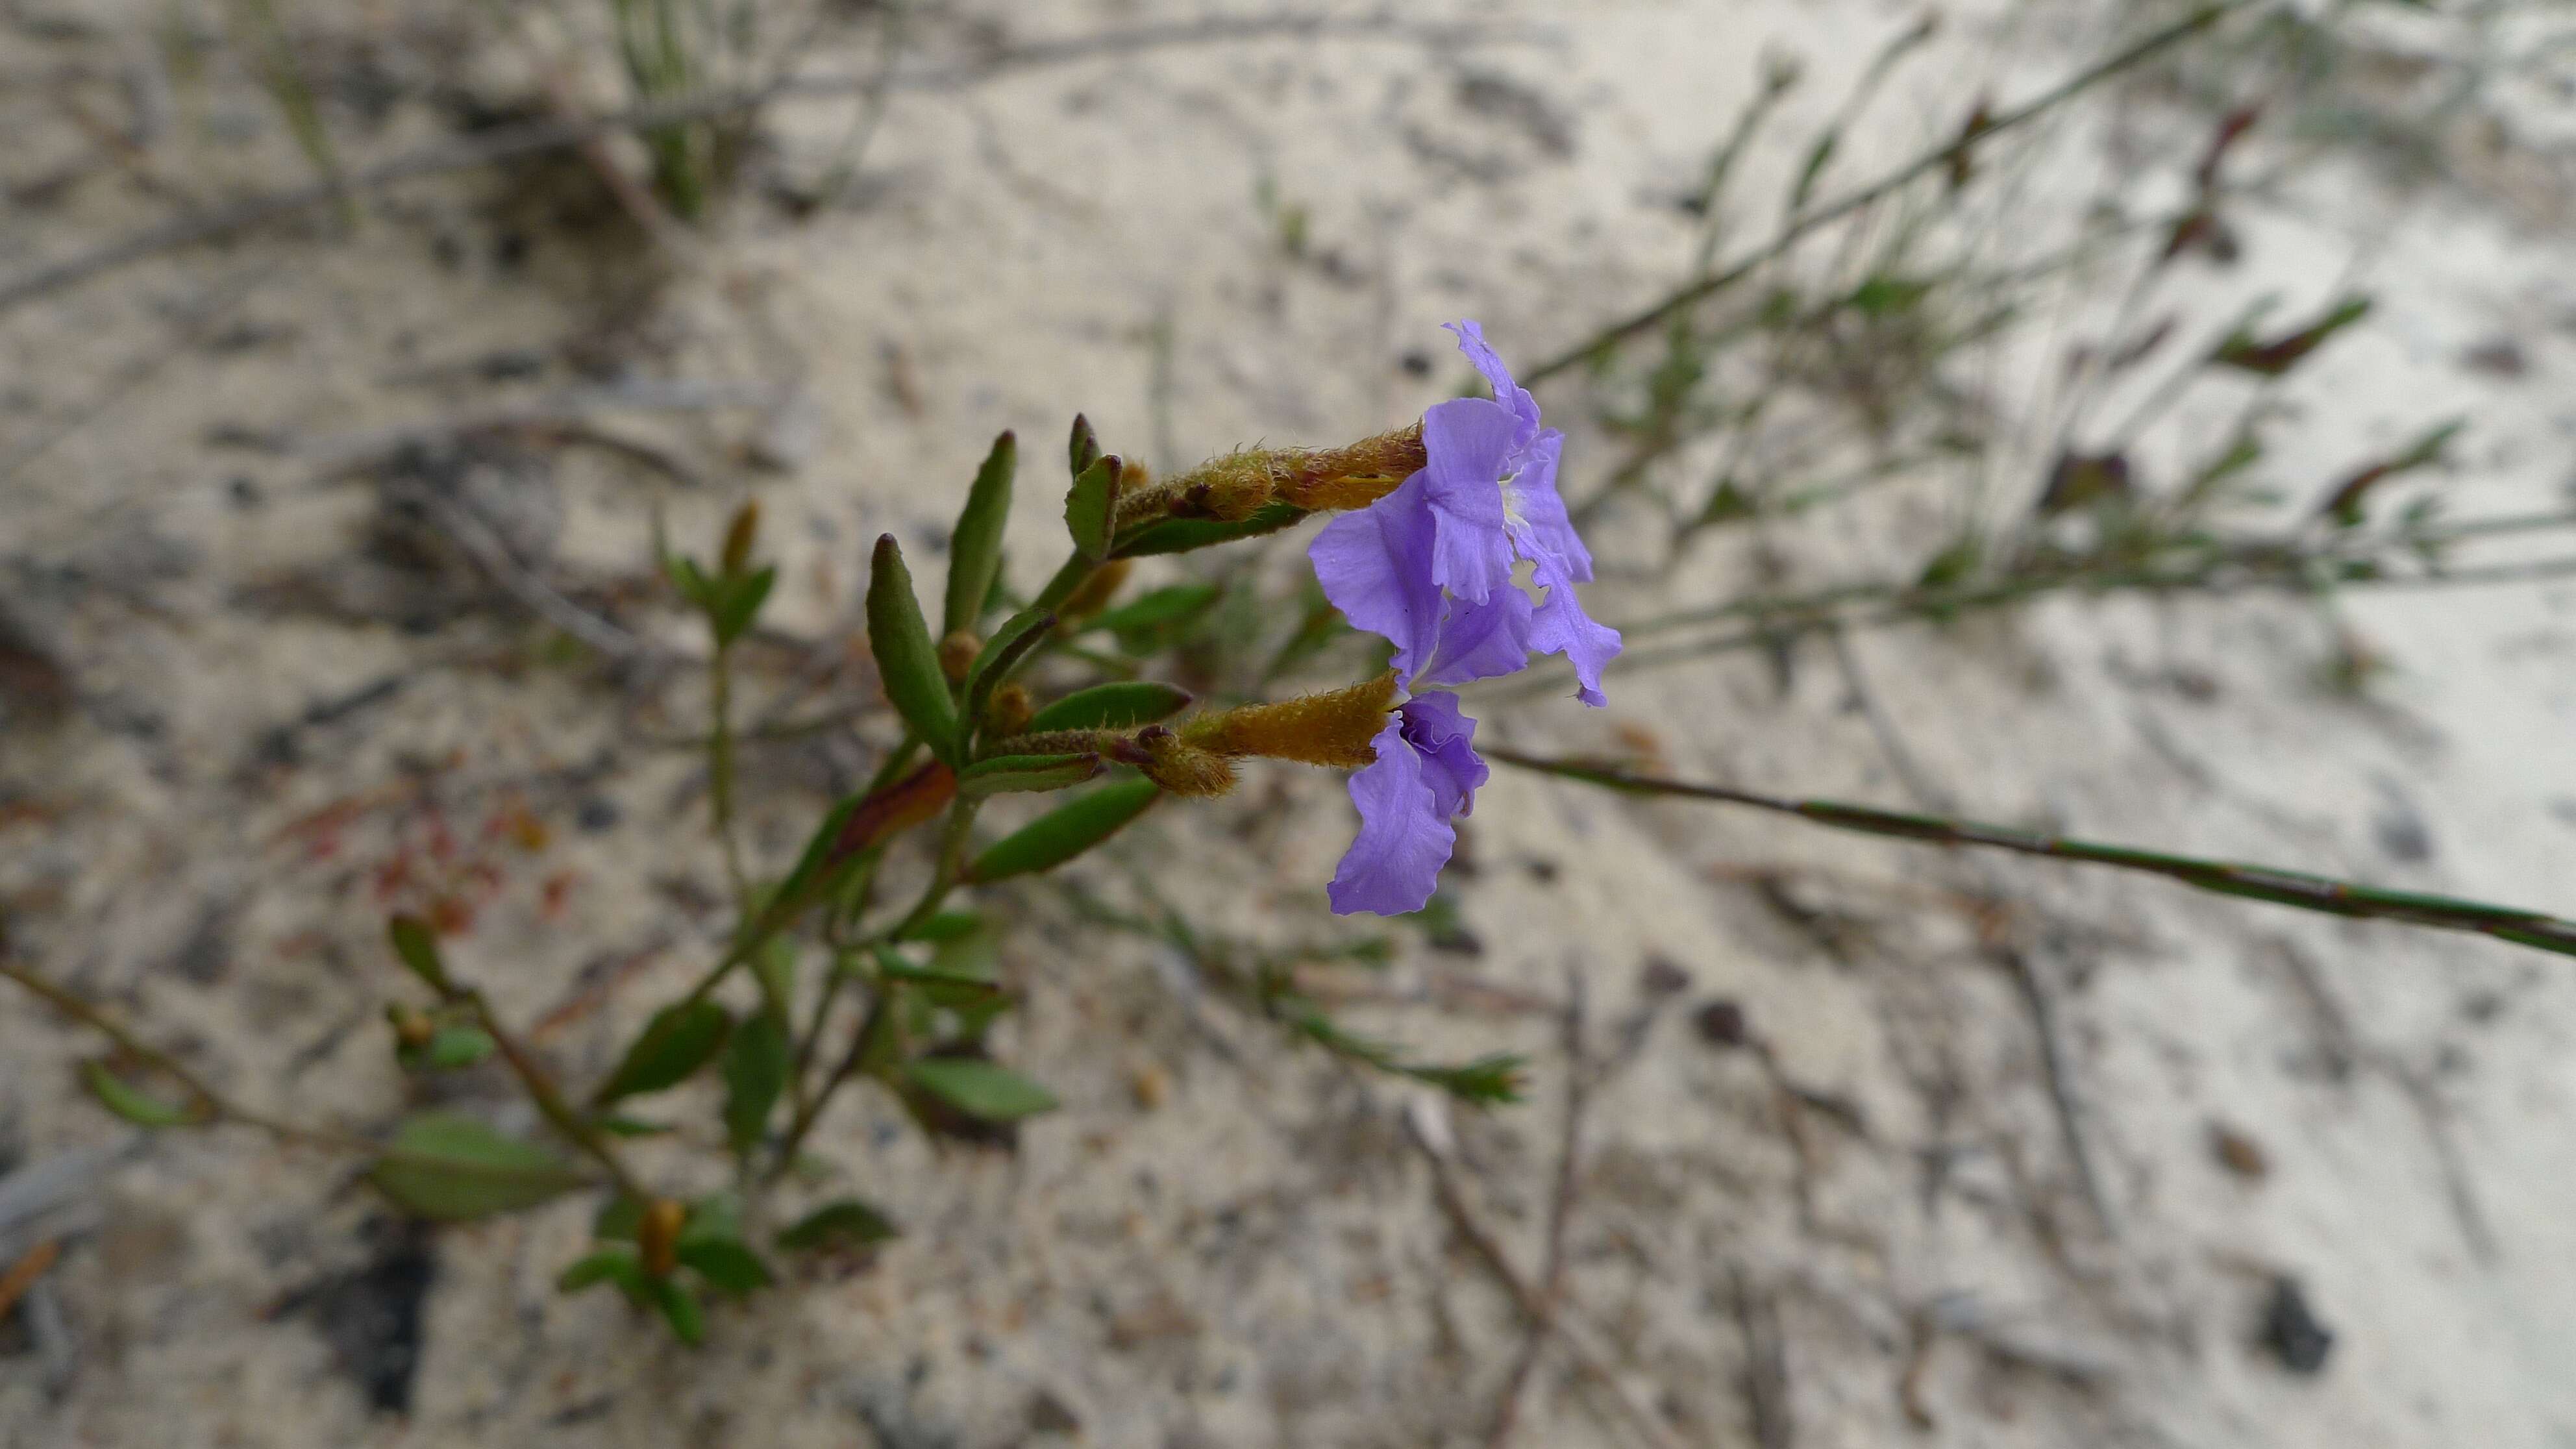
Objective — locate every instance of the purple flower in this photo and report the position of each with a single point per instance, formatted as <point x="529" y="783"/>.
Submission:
<point x="1426" y="774"/>
<point x="1430" y="565"/>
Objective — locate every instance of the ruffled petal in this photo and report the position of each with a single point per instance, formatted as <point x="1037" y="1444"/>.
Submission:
<point x="1404" y="839"/>
<point x="1471" y="341"/>
<point x="1468" y="442"/>
<point x="1375" y="566"/>
<point x="1559" y="626"/>
<point x="1541" y="528"/>
<point x="1479" y="641"/>
<point x="1445" y="738"/>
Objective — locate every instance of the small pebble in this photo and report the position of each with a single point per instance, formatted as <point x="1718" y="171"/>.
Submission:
<point x="2291" y="1330"/>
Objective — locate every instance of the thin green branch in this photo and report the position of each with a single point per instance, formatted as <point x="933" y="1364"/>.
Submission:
<point x="2254" y="882"/>
<point x="1926" y="164"/>
<point x="213" y="1104"/>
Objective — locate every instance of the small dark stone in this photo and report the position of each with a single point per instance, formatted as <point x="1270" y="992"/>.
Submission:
<point x="1543" y="871"/>
<point x="596" y="814"/>
<point x="2238" y="1153"/>
<point x="2291" y="1329"/>
<point x="1662" y="977"/>
<point x="1721" y="1024"/>
<point x="1416" y="363"/>
<point x="510" y="250"/>
<point x="371" y="1316"/>
<point x="1051" y="1415"/>
<point x="244" y="492"/>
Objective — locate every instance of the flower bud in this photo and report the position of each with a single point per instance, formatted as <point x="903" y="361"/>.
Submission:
<point x="1009" y="711"/>
<point x="1094" y="593"/>
<point x="739" y="536"/>
<point x="957" y="654"/>
<point x="1179" y="767"/>
<point x="412" y="1026"/>
<point x="657" y="1235"/>
<point x="1333" y="729"/>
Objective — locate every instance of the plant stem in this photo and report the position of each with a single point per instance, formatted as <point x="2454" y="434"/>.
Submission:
<point x="542" y="1090"/>
<point x="720" y="770"/>
<point x="2255" y="882"/>
<point x="1844" y="205"/>
<point x="214" y="1103"/>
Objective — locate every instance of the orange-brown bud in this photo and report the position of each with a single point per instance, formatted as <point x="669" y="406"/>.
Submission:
<point x="657" y="1235"/>
<point x="1333" y="729"/>
<point x="1009" y="711"/>
<point x="1180" y="767"/>
<point x="412" y="1026"/>
<point x="957" y="654"/>
<point x="739" y="537"/>
<point x="1096" y="591"/>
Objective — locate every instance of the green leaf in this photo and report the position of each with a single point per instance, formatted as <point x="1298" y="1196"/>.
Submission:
<point x="727" y="1264"/>
<point x="1123" y="704"/>
<point x="980" y="1088"/>
<point x="446" y="1165"/>
<point x="619" y="1220"/>
<point x="975" y="548"/>
<point x="755" y="1074"/>
<point x="1084" y="449"/>
<point x="775" y="968"/>
<point x="1066" y="831"/>
<point x="942" y="986"/>
<point x="1002" y="654"/>
<point x="454" y="1047"/>
<point x="946" y="926"/>
<point x="417" y="948"/>
<point x="693" y="584"/>
<point x="679" y="1308"/>
<point x="1182" y="535"/>
<point x="1091" y="508"/>
<point x="818" y="849"/>
<point x="675" y="1043"/>
<point x="608" y="1265"/>
<point x="737" y="602"/>
<point x="132" y="1103"/>
<point x="715" y="1216"/>
<point x="1006" y="773"/>
<point x="1160" y="606"/>
<point x="846" y="1223"/>
<point x="906" y="659"/>
<point x="2271" y="359"/>
<point x="619" y="1125"/>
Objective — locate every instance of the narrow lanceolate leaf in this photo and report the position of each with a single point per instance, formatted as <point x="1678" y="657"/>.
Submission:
<point x="975" y="549"/>
<point x="1002" y="655"/>
<point x="1161" y="606"/>
<point x="1008" y="773"/>
<point x="1091" y="508"/>
<point x="608" y="1265"/>
<point x="453" y="1048"/>
<point x="895" y="809"/>
<point x="416" y="946"/>
<point x="906" y="659"/>
<point x="848" y="1223"/>
<point x="726" y="1263"/>
<point x="1084" y="449"/>
<point x="735" y="603"/>
<point x="1122" y="704"/>
<point x="132" y="1103"/>
<point x="2279" y="355"/>
<point x="1066" y="831"/>
<point x="1182" y="535"/>
<point x="676" y="1042"/>
<point x="981" y="1089"/>
<point x="755" y="1074"/>
<point x="444" y="1165"/>
<point x="679" y="1308"/>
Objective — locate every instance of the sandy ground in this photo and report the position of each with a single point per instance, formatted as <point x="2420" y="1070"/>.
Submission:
<point x="1910" y="1216"/>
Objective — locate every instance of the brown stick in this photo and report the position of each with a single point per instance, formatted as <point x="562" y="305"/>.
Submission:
<point x="22" y="1275"/>
<point x="1560" y="1213"/>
